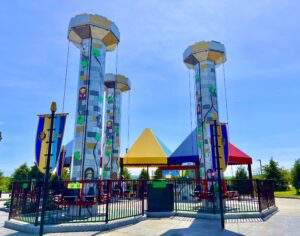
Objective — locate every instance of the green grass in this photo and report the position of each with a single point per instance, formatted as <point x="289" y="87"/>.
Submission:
<point x="290" y="193"/>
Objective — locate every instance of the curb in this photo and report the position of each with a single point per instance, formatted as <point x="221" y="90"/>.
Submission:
<point x="71" y="227"/>
<point x="251" y="215"/>
<point x="297" y="198"/>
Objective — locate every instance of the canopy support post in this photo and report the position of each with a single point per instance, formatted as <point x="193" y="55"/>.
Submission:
<point x="250" y="179"/>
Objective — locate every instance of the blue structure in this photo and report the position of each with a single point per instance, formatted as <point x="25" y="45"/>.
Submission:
<point x="186" y="151"/>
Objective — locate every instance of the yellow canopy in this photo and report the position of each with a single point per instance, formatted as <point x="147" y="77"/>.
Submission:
<point x="147" y="150"/>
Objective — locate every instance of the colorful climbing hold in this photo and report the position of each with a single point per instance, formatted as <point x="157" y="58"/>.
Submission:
<point x="212" y="89"/>
<point x="80" y="120"/>
<point x="97" y="136"/>
<point x="96" y="52"/>
<point x="110" y="99"/>
<point x="76" y="155"/>
<point x="84" y="63"/>
<point x="108" y="141"/>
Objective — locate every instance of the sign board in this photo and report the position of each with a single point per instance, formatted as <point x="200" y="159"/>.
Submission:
<point x="74" y="185"/>
<point x="25" y="185"/>
<point x="159" y="184"/>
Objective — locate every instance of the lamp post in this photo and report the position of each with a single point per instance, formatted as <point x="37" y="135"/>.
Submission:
<point x="260" y="166"/>
<point x="46" y="177"/>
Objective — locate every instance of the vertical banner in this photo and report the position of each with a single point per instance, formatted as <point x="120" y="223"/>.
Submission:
<point x="42" y="140"/>
<point x="223" y="146"/>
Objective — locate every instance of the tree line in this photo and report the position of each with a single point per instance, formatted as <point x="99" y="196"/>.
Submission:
<point x="283" y="179"/>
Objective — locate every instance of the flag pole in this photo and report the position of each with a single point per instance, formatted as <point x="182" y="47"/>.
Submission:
<point x="46" y="177"/>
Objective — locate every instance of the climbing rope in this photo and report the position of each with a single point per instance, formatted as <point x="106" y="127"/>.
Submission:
<point x="226" y="101"/>
<point x="66" y="76"/>
<point x="191" y="118"/>
<point x="128" y="122"/>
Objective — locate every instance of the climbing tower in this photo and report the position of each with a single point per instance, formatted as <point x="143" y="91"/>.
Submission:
<point x="93" y="35"/>
<point x="203" y="57"/>
<point x="115" y="85"/>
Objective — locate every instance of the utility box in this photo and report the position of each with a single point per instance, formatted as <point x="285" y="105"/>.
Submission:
<point x="160" y="196"/>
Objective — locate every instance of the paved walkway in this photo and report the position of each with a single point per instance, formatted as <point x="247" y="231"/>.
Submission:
<point x="285" y="222"/>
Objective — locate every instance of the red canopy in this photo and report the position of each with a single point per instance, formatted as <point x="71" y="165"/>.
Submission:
<point x="238" y="157"/>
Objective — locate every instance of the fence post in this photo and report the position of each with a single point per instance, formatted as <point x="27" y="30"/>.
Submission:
<point x="258" y="194"/>
<point x="107" y="200"/>
<point x="143" y="196"/>
<point x="37" y="204"/>
<point x="12" y="200"/>
<point x="175" y="195"/>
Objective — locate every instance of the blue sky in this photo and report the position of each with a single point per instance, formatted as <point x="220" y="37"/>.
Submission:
<point x="262" y="39"/>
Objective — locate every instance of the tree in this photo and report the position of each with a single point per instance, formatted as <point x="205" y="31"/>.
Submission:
<point x="35" y="174"/>
<point x="144" y="174"/>
<point x="126" y="174"/>
<point x="241" y="173"/>
<point x="1" y="178"/>
<point x="277" y="174"/>
<point x="295" y="173"/>
<point x="157" y="174"/>
<point x="21" y="173"/>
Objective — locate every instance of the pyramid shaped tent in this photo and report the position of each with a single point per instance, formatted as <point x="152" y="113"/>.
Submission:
<point x="147" y="150"/>
<point x="187" y="151"/>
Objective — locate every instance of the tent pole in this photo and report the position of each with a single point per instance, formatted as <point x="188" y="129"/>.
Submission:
<point x="147" y="172"/>
<point x="250" y="179"/>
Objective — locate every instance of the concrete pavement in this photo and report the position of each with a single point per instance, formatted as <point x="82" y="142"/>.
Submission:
<point x="284" y="222"/>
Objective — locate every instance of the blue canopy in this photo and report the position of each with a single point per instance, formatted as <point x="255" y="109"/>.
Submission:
<point x="68" y="156"/>
<point x="186" y="151"/>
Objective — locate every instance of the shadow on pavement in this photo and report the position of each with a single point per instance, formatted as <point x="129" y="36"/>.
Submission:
<point x="201" y="227"/>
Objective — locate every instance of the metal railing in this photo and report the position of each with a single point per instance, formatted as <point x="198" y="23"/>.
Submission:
<point x="83" y="201"/>
<point x="108" y="200"/>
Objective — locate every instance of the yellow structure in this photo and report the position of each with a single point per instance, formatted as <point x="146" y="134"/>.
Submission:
<point x="147" y="150"/>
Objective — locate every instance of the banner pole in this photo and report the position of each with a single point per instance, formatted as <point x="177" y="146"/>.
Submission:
<point x="219" y="173"/>
<point x="46" y="177"/>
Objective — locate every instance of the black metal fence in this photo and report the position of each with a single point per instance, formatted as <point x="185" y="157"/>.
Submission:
<point x="83" y="201"/>
<point x="104" y="201"/>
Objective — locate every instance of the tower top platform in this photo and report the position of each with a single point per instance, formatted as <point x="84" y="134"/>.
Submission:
<point x="122" y="82"/>
<point x="85" y="26"/>
<point x="204" y="51"/>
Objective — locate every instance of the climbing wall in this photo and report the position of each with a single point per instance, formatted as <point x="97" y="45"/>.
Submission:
<point x="88" y="125"/>
<point x="111" y="154"/>
<point x="206" y="109"/>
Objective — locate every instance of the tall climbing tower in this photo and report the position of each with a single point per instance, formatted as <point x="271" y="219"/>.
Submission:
<point x="115" y="86"/>
<point x="203" y="57"/>
<point x="93" y="35"/>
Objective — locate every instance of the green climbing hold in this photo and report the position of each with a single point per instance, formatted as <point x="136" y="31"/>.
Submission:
<point x="76" y="155"/>
<point x="80" y="120"/>
<point x="97" y="137"/>
<point x="108" y="141"/>
<point x="100" y="98"/>
<point x="84" y="63"/>
<point x="117" y="129"/>
<point x="107" y="153"/>
<point x="200" y="144"/>
<point x="199" y="131"/>
<point x="212" y="89"/>
<point x="110" y="99"/>
<point x="196" y="76"/>
<point x="96" y="52"/>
